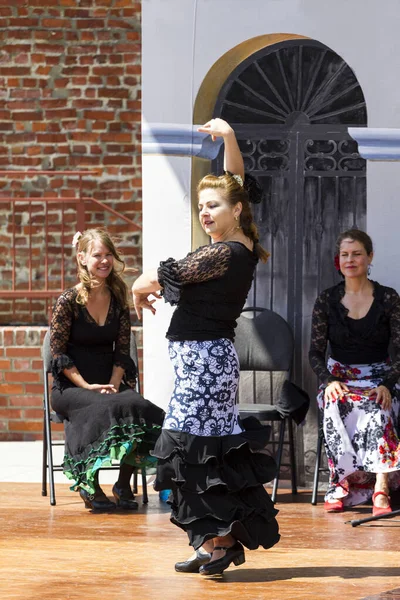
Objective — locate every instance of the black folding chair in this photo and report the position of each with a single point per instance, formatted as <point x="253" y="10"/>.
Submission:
<point x="50" y="417"/>
<point x="264" y="343"/>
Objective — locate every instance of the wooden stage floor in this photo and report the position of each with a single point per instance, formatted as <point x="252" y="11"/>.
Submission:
<point x="65" y="552"/>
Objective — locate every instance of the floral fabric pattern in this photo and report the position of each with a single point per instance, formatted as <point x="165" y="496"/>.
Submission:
<point x="206" y="379"/>
<point x="360" y="437"/>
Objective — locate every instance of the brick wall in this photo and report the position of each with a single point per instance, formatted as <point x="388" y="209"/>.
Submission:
<point x="21" y="381"/>
<point x="70" y="98"/>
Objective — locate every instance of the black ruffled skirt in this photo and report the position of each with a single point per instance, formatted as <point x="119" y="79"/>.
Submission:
<point x="217" y="484"/>
<point x="100" y="428"/>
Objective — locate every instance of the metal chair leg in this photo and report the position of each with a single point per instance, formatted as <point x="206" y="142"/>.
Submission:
<point x="44" y="457"/>
<point x="316" y="471"/>
<point x="48" y="441"/>
<point x="279" y="459"/>
<point x="144" y="487"/>
<point x="135" y="479"/>
<point x="293" y="466"/>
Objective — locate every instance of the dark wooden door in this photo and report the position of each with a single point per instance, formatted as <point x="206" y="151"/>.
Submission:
<point x="290" y="105"/>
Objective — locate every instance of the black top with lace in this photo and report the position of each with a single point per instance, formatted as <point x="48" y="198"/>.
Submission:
<point x="209" y="287"/>
<point x="362" y="341"/>
<point x="77" y="340"/>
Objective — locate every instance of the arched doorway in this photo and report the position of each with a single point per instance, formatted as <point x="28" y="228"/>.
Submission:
<point x="290" y="105"/>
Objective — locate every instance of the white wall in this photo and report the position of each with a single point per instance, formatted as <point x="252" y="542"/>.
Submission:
<point x="182" y="39"/>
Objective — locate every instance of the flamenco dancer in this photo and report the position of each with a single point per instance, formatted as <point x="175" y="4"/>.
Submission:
<point x="205" y="454"/>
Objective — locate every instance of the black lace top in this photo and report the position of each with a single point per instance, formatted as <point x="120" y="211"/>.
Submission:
<point x="77" y="340"/>
<point x="362" y="341"/>
<point x="209" y="287"/>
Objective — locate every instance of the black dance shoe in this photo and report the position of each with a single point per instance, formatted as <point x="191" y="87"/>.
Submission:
<point x="125" y="498"/>
<point x="98" y="501"/>
<point x="192" y="565"/>
<point x="233" y="554"/>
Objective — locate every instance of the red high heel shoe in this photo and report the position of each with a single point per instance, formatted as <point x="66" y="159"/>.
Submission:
<point x="334" y="506"/>
<point x="377" y="510"/>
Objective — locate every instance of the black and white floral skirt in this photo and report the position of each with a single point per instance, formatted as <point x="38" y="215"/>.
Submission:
<point x="214" y="463"/>
<point x="361" y="439"/>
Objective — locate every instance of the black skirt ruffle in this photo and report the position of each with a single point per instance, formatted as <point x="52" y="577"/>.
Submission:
<point x="217" y="484"/>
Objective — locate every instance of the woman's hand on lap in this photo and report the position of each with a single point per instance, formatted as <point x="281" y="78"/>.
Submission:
<point x="383" y="396"/>
<point x="103" y="388"/>
<point x="335" y="390"/>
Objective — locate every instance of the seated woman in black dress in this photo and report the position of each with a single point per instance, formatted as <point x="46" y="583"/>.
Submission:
<point x="94" y="376"/>
<point x="358" y="396"/>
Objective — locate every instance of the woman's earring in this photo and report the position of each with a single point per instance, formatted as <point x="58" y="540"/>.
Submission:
<point x="369" y="269"/>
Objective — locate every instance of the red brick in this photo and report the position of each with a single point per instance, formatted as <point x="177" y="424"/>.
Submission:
<point x="90" y="24"/>
<point x="32" y="388"/>
<point x="25" y="426"/>
<point x="22" y="364"/>
<point x="99" y="114"/>
<point x="62" y="113"/>
<point x="133" y="69"/>
<point x="23" y="23"/>
<point x="26" y="400"/>
<point x="23" y="352"/>
<point x="116" y="137"/>
<point x="50" y="48"/>
<point x="118" y="24"/>
<point x="14" y="71"/>
<point x="113" y="93"/>
<point x="8" y="388"/>
<point x="11" y="413"/>
<point x="3" y="400"/>
<point x="103" y="70"/>
<point x="32" y="413"/>
<point x="22" y="376"/>
<point x="118" y="160"/>
<point x="130" y="116"/>
<point x="56" y="23"/>
<point x="34" y="115"/>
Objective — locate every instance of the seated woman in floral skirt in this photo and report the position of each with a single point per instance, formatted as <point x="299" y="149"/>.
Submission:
<point x="358" y="396"/>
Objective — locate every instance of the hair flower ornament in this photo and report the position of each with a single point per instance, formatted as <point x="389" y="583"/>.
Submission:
<point x="76" y="239"/>
<point x="238" y="179"/>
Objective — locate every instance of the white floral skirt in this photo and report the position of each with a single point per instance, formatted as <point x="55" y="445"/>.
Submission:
<point x="361" y="439"/>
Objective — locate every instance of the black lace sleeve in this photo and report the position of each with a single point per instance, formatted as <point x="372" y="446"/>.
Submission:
<point x="122" y="351"/>
<point x="319" y="340"/>
<point x="59" y="333"/>
<point x="391" y="302"/>
<point x="208" y="262"/>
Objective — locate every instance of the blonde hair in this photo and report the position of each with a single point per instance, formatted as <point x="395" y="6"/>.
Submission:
<point x="114" y="280"/>
<point x="233" y="193"/>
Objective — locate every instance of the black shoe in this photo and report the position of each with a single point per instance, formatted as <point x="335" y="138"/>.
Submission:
<point x="233" y="554"/>
<point x="125" y="498"/>
<point x="193" y="565"/>
<point x="97" y="501"/>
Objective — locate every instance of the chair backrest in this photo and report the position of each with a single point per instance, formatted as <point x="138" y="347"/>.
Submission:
<point x="263" y="341"/>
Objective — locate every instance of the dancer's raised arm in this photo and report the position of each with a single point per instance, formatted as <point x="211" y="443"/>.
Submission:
<point x="233" y="160"/>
